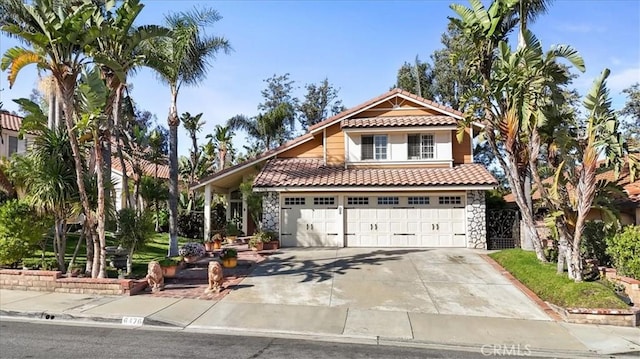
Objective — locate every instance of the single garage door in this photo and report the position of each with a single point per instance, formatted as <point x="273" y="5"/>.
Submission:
<point x="309" y="221"/>
<point x="405" y="221"/>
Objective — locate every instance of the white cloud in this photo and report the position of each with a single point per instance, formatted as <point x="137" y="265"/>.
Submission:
<point x="615" y="61"/>
<point x="620" y="80"/>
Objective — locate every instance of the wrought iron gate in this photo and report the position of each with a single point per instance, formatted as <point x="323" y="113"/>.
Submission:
<point x="503" y="228"/>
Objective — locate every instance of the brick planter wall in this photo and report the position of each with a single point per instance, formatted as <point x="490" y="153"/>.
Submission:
<point x="52" y="281"/>
<point x="631" y="286"/>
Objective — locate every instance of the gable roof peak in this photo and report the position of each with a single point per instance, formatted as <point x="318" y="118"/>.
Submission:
<point x="386" y="96"/>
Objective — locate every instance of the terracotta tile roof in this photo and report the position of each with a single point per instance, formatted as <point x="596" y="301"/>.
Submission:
<point x="10" y="122"/>
<point x="399" y="121"/>
<point x="148" y="168"/>
<point x="310" y="172"/>
<point x="382" y="97"/>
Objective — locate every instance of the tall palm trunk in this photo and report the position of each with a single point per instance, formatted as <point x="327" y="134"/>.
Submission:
<point x="67" y="85"/>
<point x="173" y="122"/>
<point x="98" y="142"/>
<point x="117" y="103"/>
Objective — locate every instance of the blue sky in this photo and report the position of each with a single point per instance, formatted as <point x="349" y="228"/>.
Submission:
<point x="358" y="45"/>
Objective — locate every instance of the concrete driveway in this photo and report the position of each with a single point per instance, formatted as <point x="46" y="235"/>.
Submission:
<point x="439" y="281"/>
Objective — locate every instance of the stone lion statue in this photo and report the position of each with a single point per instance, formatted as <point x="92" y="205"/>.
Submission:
<point x="215" y="277"/>
<point x="155" y="279"/>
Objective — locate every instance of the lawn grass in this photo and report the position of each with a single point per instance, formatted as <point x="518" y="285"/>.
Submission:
<point x="557" y="289"/>
<point x="156" y="247"/>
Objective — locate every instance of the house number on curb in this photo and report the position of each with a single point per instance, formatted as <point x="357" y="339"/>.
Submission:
<point x="132" y="320"/>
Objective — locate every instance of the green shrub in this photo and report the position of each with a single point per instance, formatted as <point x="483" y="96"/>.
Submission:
<point x="134" y="229"/>
<point x="191" y="225"/>
<point x="624" y="249"/>
<point x="594" y="242"/>
<point x="20" y="231"/>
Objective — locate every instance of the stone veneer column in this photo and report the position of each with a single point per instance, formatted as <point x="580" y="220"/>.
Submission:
<point x="476" y="220"/>
<point x="271" y="212"/>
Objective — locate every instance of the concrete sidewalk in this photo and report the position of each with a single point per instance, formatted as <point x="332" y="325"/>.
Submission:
<point x="478" y="334"/>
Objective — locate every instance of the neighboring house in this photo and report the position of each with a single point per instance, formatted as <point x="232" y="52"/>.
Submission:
<point x="9" y="141"/>
<point x="386" y="173"/>
<point x="148" y="169"/>
<point x="627" y="203"/>
<point x="10" y="144"/>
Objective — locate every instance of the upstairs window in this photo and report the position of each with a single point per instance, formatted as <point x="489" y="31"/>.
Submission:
<point x="374" y="147"/>
<point x="420" y="147"/>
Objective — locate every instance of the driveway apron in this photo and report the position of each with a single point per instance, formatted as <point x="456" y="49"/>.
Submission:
<point x="437" y="281"/>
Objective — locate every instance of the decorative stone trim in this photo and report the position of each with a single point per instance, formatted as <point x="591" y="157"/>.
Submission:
<point x="476" y="220"/>
<point x="631" y="286"/>
<point x="52" y="281"/>
<point x="271" y="212"/>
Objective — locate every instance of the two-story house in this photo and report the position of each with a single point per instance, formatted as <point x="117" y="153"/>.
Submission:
<point x="387" y="173"/>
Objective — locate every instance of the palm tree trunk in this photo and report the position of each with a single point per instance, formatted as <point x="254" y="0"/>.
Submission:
<point x="72" y="262"/>
<point x="5" y="185"/>
<point x="102" y="272"/>
<point x="67" y="90"/>
<point x="117" y="103"/>
<point x="88" y="268"/>
<point x="173" y="123"/>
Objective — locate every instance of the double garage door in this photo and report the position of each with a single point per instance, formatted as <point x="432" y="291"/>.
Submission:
<point x="373" y="221"/>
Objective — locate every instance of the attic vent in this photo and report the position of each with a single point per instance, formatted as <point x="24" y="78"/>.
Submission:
<point x="396" y="106"/>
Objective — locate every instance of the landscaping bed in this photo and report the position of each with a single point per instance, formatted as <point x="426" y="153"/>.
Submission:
<point x="541" y="278"/>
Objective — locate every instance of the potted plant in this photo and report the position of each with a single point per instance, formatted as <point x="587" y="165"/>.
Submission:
<point x="217" y="241"/>
<point x="191" y="252"/>
<point x="270" y="240"/>
<point x="169" y="266"/>
<point x="229" y="257"/>
<point x="208" y="244"/>
<point x="256" y="243"/>
<point x="232" y="231"/>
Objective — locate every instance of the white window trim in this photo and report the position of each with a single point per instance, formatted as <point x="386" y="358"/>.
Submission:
<point x="435" y="147"/>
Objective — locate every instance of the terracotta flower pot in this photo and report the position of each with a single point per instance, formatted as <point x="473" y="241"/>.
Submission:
<point x="169" y="272"/>
<point x="191" y="259"/>
<point x="257" y="247"/>
<point x="271" y="245"/>
<point x="217" y="244"/>
<point x="208" y="246"/>
<point x="230" y="262"/>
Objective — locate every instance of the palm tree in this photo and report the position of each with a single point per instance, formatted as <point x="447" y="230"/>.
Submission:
<point x="528" y="11"/>
<point x="266" y="129"/>
<point x="118" y="52"/>
<point x="513" y="89"/>
<point x="222" y="140"/>
<point x="193" y="125"/>
<point x="52" y="188"/>
<point x="46" y="25"/>
<point x="182" y="59"/>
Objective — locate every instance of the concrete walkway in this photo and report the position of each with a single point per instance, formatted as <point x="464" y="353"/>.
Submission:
<point x="339" y="295"/>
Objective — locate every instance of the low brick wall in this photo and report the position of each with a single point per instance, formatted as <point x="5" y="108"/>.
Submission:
<point x="631" y="286"/>
<point x="620" y="317"/>
<point x="53" y="281"/>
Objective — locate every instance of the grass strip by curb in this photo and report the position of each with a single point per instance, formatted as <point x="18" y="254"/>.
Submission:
<point x="542" y="279"/>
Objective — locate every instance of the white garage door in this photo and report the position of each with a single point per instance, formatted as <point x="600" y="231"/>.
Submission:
<point x="405" y="221"/>
<point x="309" y="221"/>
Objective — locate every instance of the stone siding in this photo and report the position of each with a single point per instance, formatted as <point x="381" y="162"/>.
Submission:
<point x="52" y="281"/>
<point x="476" y="220"/>
<point x="271" y="212"/>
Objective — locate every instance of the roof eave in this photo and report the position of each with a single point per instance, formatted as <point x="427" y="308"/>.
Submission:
<point x="470" y="187"/>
